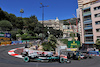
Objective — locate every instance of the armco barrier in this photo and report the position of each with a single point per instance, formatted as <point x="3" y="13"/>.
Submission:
<point x="16" y="42"/>
<point x="94" y="52"/>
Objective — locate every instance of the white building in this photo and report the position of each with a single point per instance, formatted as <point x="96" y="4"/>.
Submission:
<point x="52" y="23"/>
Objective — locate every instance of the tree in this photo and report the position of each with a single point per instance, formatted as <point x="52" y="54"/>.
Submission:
<point x="38" y="28"/>
<point x="51" y="44"/>
<point x="41" y="35"/>
<point x="47" y="46"/>
<point x="56" y="33"/>
<point x="59" y="33"/>
<point x="72" y="35"/>
<point x="13" y="34"/>
<point x="52" y="39"/>
<point x="5" y="25"/>
<point x="31" y="33"/>
<point x="98" y="43"/>
<point x="20" y="31"/>
<point x="24" y="36"/>
<point x="19" y="23"/>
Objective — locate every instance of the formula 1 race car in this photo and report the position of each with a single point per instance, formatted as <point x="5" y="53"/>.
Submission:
<point x="43" y="56"/>
<point x="47" y="59"/>
<point x="86" y="55"/>
<point x="75" y="55"/>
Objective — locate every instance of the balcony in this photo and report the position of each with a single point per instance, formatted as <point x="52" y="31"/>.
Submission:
<point x="87" y="13"/>
<point x="88" y="35"/>
<point x="87" y="28"/>
<point x="87" y="21"/>
<point x="86" y="8"/>
<point x="89" y="42"/>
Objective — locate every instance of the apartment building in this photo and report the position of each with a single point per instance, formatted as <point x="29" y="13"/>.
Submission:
<point x="90" y="21"/>
<point x="80" y="2"/>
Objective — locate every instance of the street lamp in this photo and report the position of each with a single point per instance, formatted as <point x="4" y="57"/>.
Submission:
<point x="43" y="15"/>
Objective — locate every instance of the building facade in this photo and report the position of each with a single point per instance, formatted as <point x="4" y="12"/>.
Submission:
<point x="90" y="21"/>
<point x="68" y="29"/>
<point x="58" y="25"/>
<point x="52" y="23"/>
<point x="79" y="28"/>
<point x="80" y="2"/>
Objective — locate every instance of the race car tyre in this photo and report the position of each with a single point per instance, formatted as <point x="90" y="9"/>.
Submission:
<point x="62" y="60"/>
<point x="26" y="59"/>
<point x="85" y="57"/>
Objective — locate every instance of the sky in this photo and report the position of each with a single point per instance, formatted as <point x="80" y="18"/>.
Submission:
<point x="63" y="9"/>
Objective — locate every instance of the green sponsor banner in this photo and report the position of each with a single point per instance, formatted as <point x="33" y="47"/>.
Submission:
<point x="2" y="34"/>
<point x="73" y="44"/>
<point x="24" y="41"/>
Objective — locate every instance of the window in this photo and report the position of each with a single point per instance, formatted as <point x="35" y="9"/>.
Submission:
<point x="98" y="30"/>
<point x="97" y="8"/>
<point x="97" y="15"/>
<point x="98" y="37"/>
<point x="97" y="22"/>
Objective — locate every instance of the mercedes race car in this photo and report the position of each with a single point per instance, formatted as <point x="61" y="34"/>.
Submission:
<point x="43" y="56"/>
<point x="47" y="59"/>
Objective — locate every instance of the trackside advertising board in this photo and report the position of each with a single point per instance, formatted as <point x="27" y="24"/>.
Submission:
<point x="73" y="44"/>
<point x="16" y="42"/>
<point x="7" y="35"/>
<point x="5" y="38"/>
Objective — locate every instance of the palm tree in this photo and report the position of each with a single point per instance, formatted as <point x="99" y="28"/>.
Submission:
<point x="21" y="11"/>
<point x="97" y="42"/>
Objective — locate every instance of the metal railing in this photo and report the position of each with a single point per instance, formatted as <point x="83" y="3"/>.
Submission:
<point x="88" y="26"/>
<point x="88" y="12"/>
<point x="88" y="33"/>
<point x="87" y="19"/>
<point x="89" y="40"/>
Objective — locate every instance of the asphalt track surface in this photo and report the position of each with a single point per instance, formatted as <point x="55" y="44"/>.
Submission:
<point x="10" y="61"/>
